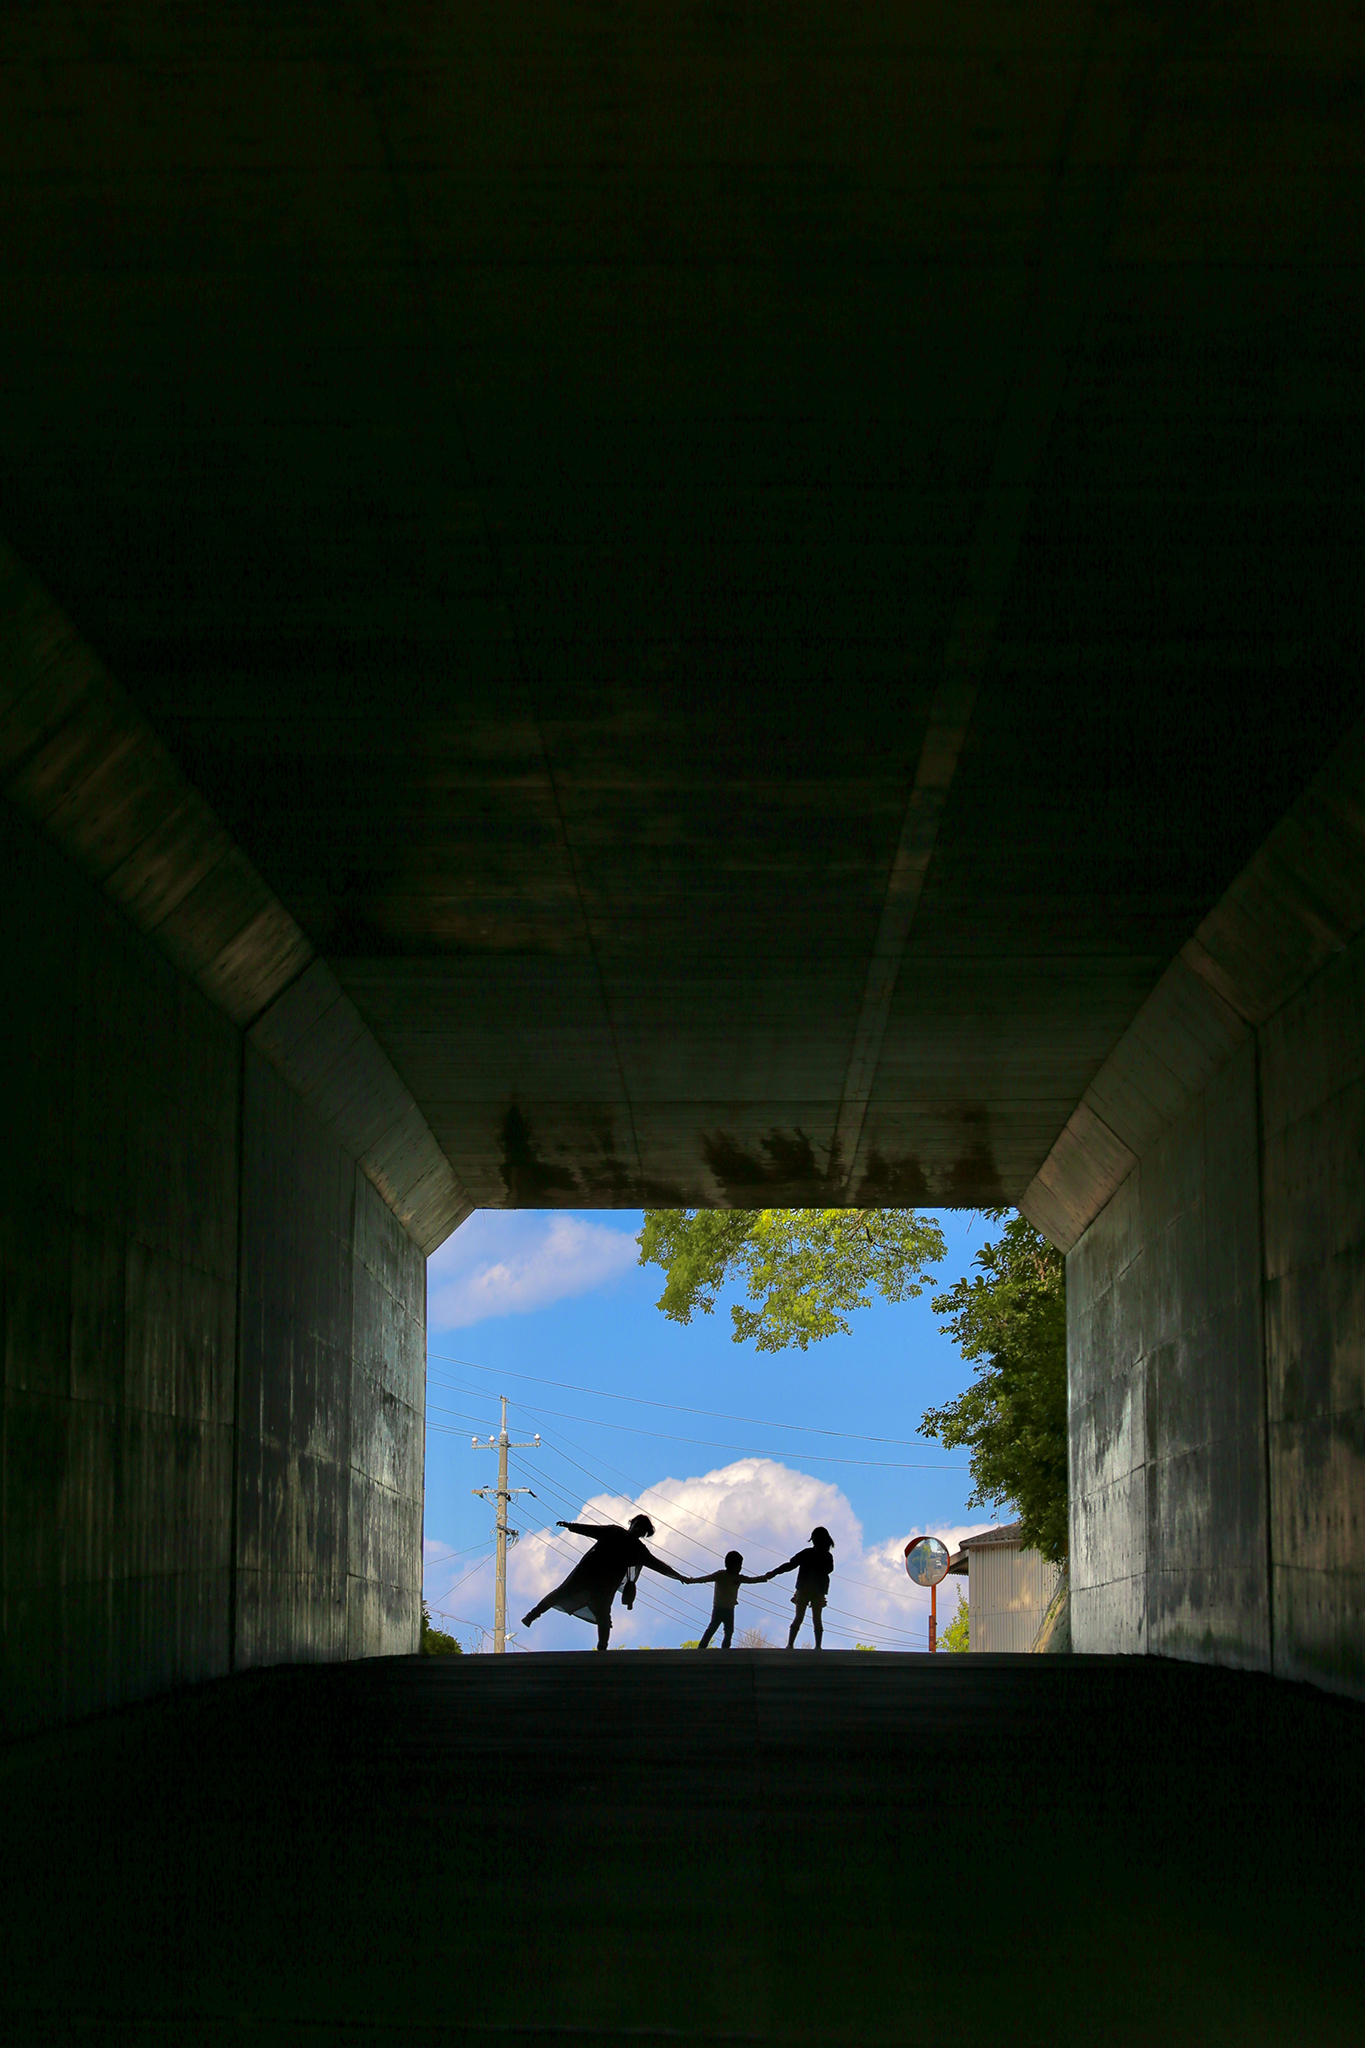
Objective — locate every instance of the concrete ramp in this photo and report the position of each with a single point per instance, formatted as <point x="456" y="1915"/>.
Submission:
<point x="745" y="1847"/>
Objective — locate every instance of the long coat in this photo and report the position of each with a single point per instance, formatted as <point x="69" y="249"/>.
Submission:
<point x="592" y="1584"/>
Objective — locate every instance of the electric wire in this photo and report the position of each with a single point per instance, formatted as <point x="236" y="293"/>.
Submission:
<point x="636" y="1495"/>
<point x="633" y="1483"/>
<point x="667" y="1612"/>
<point x="677" y="1408"/>
<point x="450" y="1591"/>
<point x="777" y="1614"/>
<point x="774" y="1613"/>
<point x="535" y="1413"/>
<point x="846" y="1614"/>
<point x="571" y="1557"/>
<point x="439" y="1561"/>
<point x="745" y="1450"/>
<point x="661" y="1603"/>
<point x="645" y="1588"/>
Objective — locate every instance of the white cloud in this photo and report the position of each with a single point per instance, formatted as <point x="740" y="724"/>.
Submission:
<point x="503" y="1263"/>
<point x="767" y="1511"/>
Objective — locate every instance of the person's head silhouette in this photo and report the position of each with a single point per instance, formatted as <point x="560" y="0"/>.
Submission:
<point x="733" y="1561"/>
<point x="823" y="1538"/>
<point x="640" y="1525"/>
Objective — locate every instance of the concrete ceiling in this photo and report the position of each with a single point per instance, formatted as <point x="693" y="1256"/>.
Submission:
<point x="748" y="573"/>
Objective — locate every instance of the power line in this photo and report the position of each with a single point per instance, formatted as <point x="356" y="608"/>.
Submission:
<point x="452" y="1590"/>
<point x="862" y="1584"/>
<point x="710" y="1520"/>
<point x="866" y="1621"/>
<point x="745" y="1450"/>
<point x="633" y="1483"/>
<point x="676" y="1408"/>
<point x="661" y="1589"/>
<point x="645" y="1587"/>
<point x="437" y="1562"/>
<point x="668" y="1612"/>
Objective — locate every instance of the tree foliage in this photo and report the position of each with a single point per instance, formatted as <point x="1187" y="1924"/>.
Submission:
<point x="956" y="1634"/>
<point x="435" y="1642"/>
<point x="807" y="1269"/>
<point x="1010" y="1321"/>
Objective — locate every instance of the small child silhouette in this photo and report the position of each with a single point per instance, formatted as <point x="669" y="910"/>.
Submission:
<point x="727" y="1584"/>
<point x="812" y="1568"/>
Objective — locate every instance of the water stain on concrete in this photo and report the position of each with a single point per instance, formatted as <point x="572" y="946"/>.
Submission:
<point x="779" y="1171"/>
<point x="531" y="1181"/>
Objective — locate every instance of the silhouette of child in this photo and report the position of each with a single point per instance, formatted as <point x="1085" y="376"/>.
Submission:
<point x="812" y="1568"/>
<point x="727" y="1584"/>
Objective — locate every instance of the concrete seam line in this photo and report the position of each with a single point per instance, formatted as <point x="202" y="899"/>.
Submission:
<point x="1079" y="229"/>
<point x="208" y="2026"/>
<point x="1337" y="787"/>
<point x="78" y="743"/>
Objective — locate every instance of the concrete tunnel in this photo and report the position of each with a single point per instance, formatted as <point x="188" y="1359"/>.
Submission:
<point x="671" y="605"/>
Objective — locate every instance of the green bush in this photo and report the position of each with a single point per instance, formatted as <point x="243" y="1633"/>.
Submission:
<point x="955" y="1635"/>
<point x="435" y="1641"/>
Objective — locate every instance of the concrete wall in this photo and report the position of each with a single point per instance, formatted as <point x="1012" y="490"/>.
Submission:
<point x="333" y="1361"/>
<point x="1313" y="1121"/>
<point x="1167" y="1390"/>
<point x="1216" y="1339"/>
<point x="212" y="1329"/>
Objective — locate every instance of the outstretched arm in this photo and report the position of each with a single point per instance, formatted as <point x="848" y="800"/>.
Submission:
<point x="584" y="1528"/>
<point x="656" y="1564"/>
<point x="703" y="1579"/>
<point x="777" y="1571"/>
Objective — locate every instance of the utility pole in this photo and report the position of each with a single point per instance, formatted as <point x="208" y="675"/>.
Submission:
<point x="503" y="1534"/>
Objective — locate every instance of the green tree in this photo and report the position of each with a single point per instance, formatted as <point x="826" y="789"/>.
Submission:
<point x="1009" y="1320"/>
<point x="807" y="1269"/>
<point x="957" y="1634"/>
<point x="435" y="1642"/>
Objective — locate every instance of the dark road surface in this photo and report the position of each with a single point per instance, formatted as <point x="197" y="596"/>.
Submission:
<point x="666" y="1846"/>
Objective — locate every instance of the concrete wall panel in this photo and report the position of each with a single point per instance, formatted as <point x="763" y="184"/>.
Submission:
<point x="1165" y="1350"/>
<point x="1313" y="1094"/>
<point x="332" y="1395"/>
<point x="1245" y="1224"/>
<point x="388" y="1403"/>
<point x="1108" y="1432"/>
<point x="119" y="1206"/>
<point x="146" y="1365"/>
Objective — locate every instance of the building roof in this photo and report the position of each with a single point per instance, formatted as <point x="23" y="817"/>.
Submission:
<point x="988" y="1539"/>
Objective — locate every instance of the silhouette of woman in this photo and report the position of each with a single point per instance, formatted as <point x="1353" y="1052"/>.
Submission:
<point x="617" y="1555"/>
<point x="812" y="1568"/>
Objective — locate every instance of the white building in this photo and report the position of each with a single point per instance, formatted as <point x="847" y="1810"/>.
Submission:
<point x="1008" y="1588"/>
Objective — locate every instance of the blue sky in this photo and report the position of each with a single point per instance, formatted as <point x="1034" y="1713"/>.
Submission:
<point x="521" y="1298"/>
